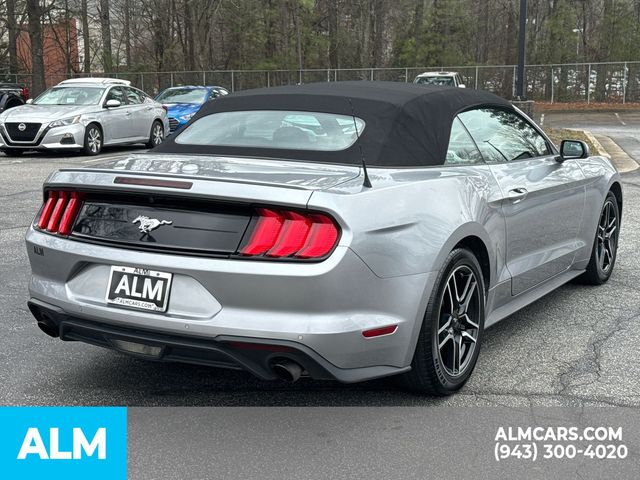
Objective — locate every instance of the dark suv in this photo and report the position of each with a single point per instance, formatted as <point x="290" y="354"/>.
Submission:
<point x="12" y="95"/>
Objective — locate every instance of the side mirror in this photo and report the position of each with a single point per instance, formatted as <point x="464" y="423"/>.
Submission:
<point x="462" y="85"/>
<point x="573" y="149"/>
<point x="112" y="103"/>
<point x="29" y="102"/>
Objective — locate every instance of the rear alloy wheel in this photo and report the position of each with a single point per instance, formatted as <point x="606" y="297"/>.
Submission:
<point x="449" y="340"/>
<point x="157" y="135"/>
<point x="92" y="140"/>
<point x="605" y="245"/>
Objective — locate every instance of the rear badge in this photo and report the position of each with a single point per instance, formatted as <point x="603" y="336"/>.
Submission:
<point x="149" y="224"/>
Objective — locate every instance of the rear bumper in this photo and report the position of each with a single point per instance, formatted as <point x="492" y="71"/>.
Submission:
<point x="254" y="355"/>
<point x="321" y="308"/>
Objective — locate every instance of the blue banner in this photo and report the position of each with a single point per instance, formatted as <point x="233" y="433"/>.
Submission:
<point x="63" y="443"/>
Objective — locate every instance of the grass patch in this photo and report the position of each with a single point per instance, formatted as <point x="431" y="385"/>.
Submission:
<point x="558" y="134"/>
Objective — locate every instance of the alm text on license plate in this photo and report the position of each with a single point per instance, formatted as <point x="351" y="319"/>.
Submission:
<point x="139" y="288"/>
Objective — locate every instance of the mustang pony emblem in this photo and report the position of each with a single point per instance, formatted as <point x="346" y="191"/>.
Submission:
<point x="148" y="224"/>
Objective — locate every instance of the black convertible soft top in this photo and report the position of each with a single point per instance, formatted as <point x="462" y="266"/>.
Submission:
<point x="405" y="124"/>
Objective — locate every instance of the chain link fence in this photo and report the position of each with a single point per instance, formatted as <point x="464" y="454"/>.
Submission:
<point x="611" y="82"/>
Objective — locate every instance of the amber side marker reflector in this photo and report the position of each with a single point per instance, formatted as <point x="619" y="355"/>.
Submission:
<point x="377" y="332"/>
<point x="150" y="182"/>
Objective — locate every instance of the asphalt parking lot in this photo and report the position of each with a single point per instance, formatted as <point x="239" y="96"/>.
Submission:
<point x="622" y="127"/>
<point x="577" y="346"/>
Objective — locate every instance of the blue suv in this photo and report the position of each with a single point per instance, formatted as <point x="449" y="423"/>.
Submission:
<point x="182" y="103"/>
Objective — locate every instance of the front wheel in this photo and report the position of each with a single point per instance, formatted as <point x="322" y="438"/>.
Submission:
<point x="605" y="245"/>
<point x="156" y="137"/>
<point x="449" y="340"/>
<point x="92" y="140"/>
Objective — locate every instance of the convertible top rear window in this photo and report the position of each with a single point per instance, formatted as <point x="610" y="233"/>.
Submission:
<point x="274" y="129"/>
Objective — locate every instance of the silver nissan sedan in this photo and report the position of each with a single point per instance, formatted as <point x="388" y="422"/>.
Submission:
<point x="347" y="230"/>
<point x="84" y="114"/>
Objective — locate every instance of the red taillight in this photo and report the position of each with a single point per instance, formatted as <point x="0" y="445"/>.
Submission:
<point x="70" y="214"/>
<point x="292" y="235"/>
<point x="25" y="93"/>
<point x="165" y="108"/>
<point x="59" y="212"/>
<point x="265" y="232"/>
<point x="43" y="221"/>
<point x="321" y="239"/>
<point x="286" y="233"/>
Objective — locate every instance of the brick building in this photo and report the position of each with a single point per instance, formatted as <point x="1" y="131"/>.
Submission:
<point x="60" y="51"/>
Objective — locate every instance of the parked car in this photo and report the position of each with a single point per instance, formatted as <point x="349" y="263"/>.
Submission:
<point x="344" y="230"/>
<point x="84" y="114"/>
<point x="15" y="89"/>
<point x="12" y="95"/>
<point x="443" y="79"/>
<point x="182" y="103"/>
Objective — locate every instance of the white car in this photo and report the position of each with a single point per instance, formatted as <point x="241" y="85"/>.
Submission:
<point x="443" y="79"/>
<point x="84" y="114"/>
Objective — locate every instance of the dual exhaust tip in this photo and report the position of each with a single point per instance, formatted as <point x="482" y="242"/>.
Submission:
<point x="47" y="325"/>
<point x="286" y="369"/>
<point x="45" y="320"/>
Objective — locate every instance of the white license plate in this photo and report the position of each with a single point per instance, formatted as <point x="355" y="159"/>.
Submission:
<point x="139" y="288"/>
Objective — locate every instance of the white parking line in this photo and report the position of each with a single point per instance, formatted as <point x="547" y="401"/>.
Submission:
<point x="619" y="119"/>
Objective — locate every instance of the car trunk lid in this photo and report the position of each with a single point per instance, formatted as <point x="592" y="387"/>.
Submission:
<point x="258" y="171"/>
<point x="188" y="204"/>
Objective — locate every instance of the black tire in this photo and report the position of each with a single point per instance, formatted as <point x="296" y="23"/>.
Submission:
<point x="156" y="135"/>
<point x="12" y="152"/>
<point x="429" y="373"/>
<point x="605" y="244"/>
<point x="93" y="140"/>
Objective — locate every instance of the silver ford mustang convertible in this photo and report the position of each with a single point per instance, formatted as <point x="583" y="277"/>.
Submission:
<point x="341" y="231"/>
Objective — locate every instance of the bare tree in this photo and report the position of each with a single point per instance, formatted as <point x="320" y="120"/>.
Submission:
<point x="126" y="26"/>
<point x="13" y="35"/>
<point x="333" y="34"/>
<point x="105" y="28"/>
<point x="86" y="38"/>
<point x="34" y="12"/>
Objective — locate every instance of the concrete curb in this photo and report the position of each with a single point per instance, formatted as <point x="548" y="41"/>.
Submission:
<point x="622" y="161"/>
<point x="599" y="148"/>
<point x="605" y="147"/>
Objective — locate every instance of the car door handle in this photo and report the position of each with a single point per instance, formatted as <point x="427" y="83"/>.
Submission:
<point x="517" y="194"/>
<point x="128" y="113"/>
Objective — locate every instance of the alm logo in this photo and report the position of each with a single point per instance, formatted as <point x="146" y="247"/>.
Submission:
<point x="33" y="444"/>
<point x="63" y="443"/>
